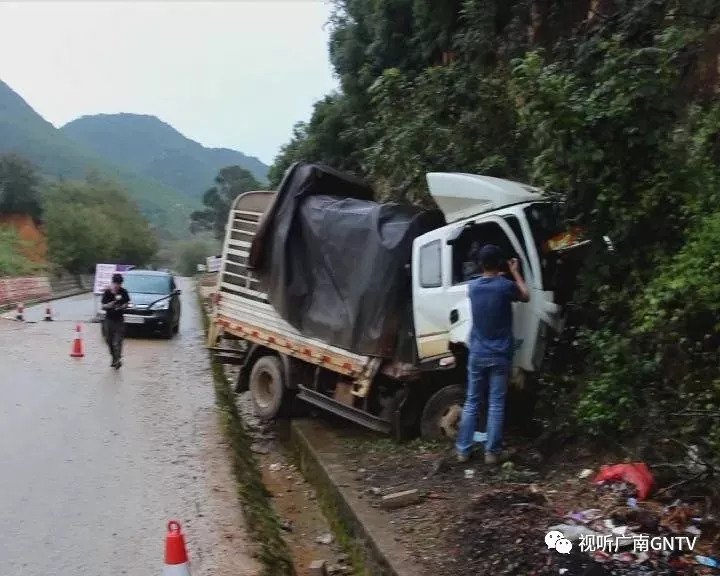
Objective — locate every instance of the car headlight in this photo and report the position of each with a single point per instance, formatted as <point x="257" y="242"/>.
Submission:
<point x="162" y="305"/>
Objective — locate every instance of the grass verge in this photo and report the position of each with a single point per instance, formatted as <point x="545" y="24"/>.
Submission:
<point x="263" y="524"/>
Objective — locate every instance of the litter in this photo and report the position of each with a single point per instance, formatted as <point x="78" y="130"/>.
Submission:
<point x="325" y="539"/>
<point x="636" y="473"/>
<point x="707" y="561"/>
<point x="585" y="474"/>
<point x="572" y="532"/>
<point x="480" y="437"/>
<point x="586" y="516"/>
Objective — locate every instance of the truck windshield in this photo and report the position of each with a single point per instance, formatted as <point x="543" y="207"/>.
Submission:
<point x="149" y="284"/>
<point x="545" y="223"/>
<point x="559" y="248"/>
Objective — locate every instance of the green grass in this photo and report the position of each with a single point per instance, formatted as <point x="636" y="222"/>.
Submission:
<point x="260" y="516"/>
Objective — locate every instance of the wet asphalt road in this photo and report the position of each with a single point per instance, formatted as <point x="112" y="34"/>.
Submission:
<point x="94" y="462"/>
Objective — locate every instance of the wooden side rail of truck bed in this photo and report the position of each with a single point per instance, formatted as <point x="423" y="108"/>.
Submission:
<point x="259" y="323"/>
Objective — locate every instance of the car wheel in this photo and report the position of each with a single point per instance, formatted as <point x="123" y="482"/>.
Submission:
<point x="168" y="332"/>
<point x="267" y="388"/>
<point x="440" y="418"/>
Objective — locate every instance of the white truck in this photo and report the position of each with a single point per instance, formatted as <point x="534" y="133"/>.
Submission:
<point x="419" y="384"/>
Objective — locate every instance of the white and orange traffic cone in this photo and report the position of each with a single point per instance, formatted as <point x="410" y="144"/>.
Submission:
<point x="48" y="314"/>
<point x="176" y="557"/>
<point x="20" y="312"/>
<point x="77" y="349"/>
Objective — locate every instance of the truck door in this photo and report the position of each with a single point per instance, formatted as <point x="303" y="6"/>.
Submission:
<point x="441" y="303"/>
<point x="429" y="277"/>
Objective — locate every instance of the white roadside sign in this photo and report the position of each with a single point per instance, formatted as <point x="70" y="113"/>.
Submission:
<point x="214" y="263"/>
<point x="103" y="277"/>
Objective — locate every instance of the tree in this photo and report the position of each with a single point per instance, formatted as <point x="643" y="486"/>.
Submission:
<point x="19" y="187"/>
<point x="94" y="221"/>
<point x="191" y="253"/>
<point x="607" y="105"/>
<point x="230" y="182"/>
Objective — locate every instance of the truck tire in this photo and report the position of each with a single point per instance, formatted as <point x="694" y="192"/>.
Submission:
<point x="441" y="416"/>
<point x="267" y="387"/>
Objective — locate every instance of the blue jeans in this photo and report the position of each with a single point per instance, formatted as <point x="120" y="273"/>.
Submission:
<point x="487" y="378"/>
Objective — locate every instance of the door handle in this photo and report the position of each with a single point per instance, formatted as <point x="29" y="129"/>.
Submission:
<point x="454" y="316"/>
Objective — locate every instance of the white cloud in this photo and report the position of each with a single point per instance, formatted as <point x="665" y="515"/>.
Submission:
<point x="237" y="73"/>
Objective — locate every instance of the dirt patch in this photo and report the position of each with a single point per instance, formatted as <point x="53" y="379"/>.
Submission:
<point x="34" y="246"/>
<point x="477" y="520"/>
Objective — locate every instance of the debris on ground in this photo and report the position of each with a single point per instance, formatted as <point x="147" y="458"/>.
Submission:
<point x="318" y="568"/>
<point x="401" y="499"/>
<point x="325" y="539"/>
<point x="494" y="522"/>
<point x="636" y="473"/>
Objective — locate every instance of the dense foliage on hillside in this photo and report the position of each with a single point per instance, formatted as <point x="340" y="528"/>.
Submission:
<point x="85" y="221"/>
<point x="605" y="103"/>
<point x="156" y="150"/>
<point x="94" y="221"/>
<point x="24" y="132"/>
<point x="19" y="187"/>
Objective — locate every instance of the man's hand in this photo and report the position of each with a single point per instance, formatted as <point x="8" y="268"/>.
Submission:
<point x="514" y="266"/>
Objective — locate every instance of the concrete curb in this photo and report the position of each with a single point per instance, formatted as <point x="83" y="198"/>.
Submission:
<point x="329" y="474"/>
<point x="78" y="292"/>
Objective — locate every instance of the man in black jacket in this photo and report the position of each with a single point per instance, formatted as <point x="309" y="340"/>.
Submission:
<point x="114" y="301"/>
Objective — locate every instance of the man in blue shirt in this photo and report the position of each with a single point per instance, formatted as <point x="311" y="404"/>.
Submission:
<point x="491" y="349"/>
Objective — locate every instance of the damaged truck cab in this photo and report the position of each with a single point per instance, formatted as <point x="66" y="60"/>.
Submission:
<point x="413" y="382"/>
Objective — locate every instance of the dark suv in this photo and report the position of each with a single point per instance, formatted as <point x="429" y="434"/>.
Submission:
<point x="154" y="301"/>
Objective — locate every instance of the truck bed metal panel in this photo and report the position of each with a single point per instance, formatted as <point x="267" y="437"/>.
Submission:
<point x="258" y="322"/>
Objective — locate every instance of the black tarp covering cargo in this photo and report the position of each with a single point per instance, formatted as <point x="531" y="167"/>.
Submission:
<point x="335" y="264"/>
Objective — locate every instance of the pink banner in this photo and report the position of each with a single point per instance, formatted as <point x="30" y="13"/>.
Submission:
<point x="15" y="290"/>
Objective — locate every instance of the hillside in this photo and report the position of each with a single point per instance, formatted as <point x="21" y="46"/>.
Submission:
<point x="24" y="131"/>
<point x="154" y="149"/>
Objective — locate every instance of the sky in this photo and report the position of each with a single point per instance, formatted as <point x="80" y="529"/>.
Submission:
<point x="235" y="73"/>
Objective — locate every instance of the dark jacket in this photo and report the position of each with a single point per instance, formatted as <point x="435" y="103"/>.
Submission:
<point x="120" y="300"/>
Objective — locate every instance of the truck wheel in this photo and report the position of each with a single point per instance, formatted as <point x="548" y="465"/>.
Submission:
<point x="441" y="416"/>
<point x="267" y="388"/>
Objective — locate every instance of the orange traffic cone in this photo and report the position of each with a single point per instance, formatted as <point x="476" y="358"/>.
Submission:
<point x="77" y="350"/>
<point x="48" y="314"/>
<point x="19" y="312"/>
<point x="176" y="558"/>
